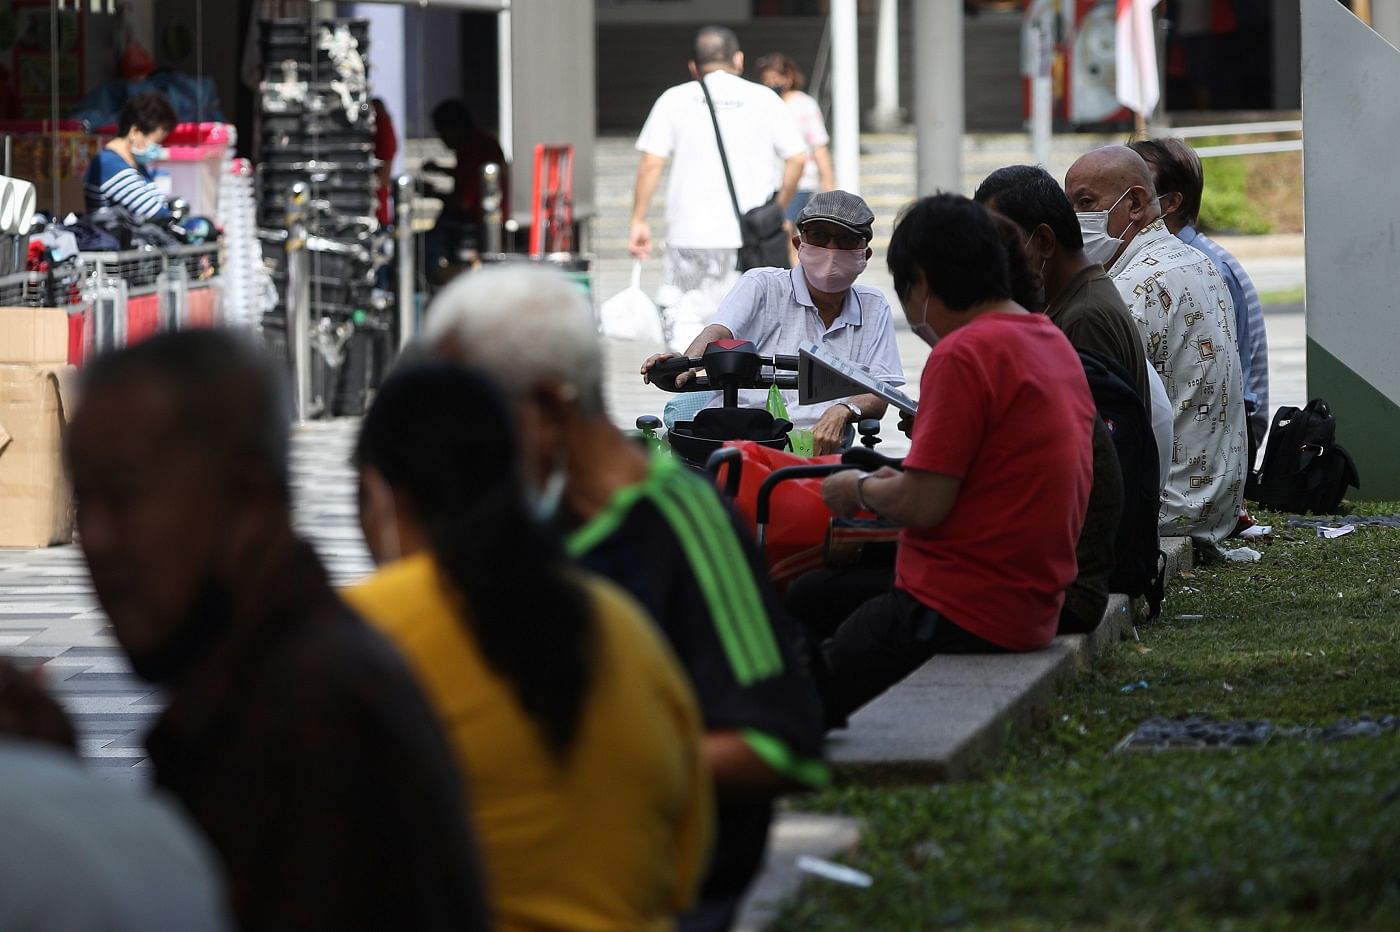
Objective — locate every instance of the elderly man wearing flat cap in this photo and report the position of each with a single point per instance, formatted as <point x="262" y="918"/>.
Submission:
<point x="818" y="301"/>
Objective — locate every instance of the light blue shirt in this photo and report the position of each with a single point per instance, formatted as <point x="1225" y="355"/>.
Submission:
<point x="1249" y="326"/>
<point x="773" y="308"/>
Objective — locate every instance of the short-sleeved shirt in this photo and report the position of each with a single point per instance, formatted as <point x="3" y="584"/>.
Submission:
<point x="1249" y="325"/>
<point x="757" y="127"/>
<point x="112" y="182"/>
<point x="808" y="114"/>
<point x="1013" y="419"/>
<point x="1092" y="314"/>
<point x="561" y="848"/>
<point x="774" y="309"/>
<point x="670" y="542"/>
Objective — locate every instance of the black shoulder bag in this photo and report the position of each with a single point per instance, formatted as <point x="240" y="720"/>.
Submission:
<point x="762" y="230"/>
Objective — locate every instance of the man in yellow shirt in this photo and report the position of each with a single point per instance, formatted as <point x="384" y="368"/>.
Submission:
<point x="571" y="720"/>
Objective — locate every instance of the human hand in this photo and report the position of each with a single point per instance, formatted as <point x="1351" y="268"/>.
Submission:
<point x="906" y="424"/>
<point x="652" y="360"/>
<point x="639" y="243"/>
<point x="839" y="493"/>
<point x="830" y="430"/>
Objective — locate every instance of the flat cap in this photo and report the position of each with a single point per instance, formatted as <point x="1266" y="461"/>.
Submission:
<point x="841" y="208"/>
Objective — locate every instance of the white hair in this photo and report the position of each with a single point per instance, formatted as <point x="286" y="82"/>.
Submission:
<point x="526" y="325"/>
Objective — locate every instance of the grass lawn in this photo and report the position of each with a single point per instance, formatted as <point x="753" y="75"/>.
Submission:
<point x="1065" y="833"/>
<point x="1283" y="296"/>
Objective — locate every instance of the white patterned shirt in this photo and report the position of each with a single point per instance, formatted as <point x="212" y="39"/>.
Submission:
<point x="1186" y="319"/>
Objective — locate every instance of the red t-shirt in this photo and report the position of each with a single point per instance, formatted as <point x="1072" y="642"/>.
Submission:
<point x="1005" y="408"/>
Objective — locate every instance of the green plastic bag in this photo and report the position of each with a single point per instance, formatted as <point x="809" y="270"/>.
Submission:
<point x="799" y="440"/>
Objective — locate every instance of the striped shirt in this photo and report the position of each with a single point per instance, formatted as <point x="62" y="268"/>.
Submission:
<point x="112" y="182"/>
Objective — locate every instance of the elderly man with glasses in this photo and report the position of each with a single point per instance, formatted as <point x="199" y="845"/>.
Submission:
<point x="818" y="301"/>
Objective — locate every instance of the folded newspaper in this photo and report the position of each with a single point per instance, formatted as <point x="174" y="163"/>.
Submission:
<point x="824" y="376"/>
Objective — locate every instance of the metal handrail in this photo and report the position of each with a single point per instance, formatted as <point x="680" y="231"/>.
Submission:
<point x="1239" y="129"/>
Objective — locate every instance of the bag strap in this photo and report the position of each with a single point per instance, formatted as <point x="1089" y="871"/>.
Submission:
<point x="723" y="159"/>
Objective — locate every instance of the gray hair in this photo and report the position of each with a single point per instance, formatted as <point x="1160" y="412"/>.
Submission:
<point x="526" y="325"/>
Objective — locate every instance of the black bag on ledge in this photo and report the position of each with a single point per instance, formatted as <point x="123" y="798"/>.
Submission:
<point x="1305" y="470"/>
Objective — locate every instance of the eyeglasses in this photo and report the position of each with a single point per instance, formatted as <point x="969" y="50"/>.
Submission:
<point x="826" y="239"/>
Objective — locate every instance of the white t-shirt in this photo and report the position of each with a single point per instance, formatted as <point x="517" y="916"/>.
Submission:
<point x="757" y="126"/>
<point x="808" y="114"/>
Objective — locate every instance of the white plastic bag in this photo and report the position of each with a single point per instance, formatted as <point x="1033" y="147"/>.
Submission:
<point x="630" y="314"/>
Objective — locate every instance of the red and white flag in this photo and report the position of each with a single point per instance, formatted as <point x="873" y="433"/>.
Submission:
<point x="1135" y="56"/>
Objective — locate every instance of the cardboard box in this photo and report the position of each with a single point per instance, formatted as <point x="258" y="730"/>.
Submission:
<point x="33" y="336"/>
<point x="36" y="502"/>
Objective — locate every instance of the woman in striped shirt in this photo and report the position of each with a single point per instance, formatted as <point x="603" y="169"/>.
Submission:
<point x="118" y="176"/>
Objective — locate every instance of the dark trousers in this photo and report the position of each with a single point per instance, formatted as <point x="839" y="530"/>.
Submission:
<point x="879" y="643"/>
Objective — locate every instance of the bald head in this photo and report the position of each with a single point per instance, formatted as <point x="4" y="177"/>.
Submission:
<point x="1115" y="179"/>
<point x="1117" y="167"/>
<point x="716" y="49"/>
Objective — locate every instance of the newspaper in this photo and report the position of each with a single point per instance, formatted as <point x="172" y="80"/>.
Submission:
<point x="824" y="376"/>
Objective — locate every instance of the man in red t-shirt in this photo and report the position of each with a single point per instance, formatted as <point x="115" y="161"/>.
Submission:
<point x="994" y="489"/>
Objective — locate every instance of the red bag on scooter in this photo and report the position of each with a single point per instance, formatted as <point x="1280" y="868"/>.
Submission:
<point x="794" y="540"/>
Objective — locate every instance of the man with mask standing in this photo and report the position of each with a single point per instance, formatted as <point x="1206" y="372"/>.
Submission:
<point x="782" y="310"/>
<point x="1185" y="318"/>
<point x="295" y="737"/>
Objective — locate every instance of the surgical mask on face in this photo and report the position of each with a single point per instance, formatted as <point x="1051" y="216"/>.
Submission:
<point x="830" y="270"/>
<point x="544" y="502"/>
<point x="924" y="330"/>
<point x="147" y="155"/>
<point x="1099" y="246"/>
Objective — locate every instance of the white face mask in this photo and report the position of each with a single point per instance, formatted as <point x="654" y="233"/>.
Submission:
<point x="1099" y="246"/>
<point x="544" y="502"/>
<point x="924" y="330"/>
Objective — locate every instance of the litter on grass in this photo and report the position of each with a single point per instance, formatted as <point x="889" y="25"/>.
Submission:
<point x="1243" y="555"/>
<point x="1332" y="533"/>
<point x="1256" y="530"/>
<point x="1203" y="731"/>
<point x="1130" y="687"/>
<point x="829" y="870"/>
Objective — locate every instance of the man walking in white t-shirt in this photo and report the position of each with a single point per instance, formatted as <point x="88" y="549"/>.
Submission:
<point x="702" y="233"/>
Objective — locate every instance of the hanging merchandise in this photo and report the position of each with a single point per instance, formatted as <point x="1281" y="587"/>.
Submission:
<point x="317" y="129"/>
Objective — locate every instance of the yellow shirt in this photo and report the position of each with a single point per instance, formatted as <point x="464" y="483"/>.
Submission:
<point x="615" y="837"/>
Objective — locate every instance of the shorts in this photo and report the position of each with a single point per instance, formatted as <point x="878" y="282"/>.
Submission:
<point x="799" y="201"/>
<point x="693" y="283"/>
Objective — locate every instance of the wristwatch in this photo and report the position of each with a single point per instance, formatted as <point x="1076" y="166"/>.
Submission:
<point x="860" y="492"/>
<point x="855" y="409"/>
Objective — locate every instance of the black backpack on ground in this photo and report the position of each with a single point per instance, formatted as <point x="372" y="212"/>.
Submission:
<point x="1139" y="568"/>
<point x="1305" y="470"/>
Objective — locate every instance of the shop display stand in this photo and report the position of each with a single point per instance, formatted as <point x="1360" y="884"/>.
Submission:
<point x="317" y="128"/>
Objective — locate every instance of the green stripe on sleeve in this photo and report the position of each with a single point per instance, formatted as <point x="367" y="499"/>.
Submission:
<point x="808" y="771"/>
<point x="753" y="616"/>
<point x="704" y="570"/>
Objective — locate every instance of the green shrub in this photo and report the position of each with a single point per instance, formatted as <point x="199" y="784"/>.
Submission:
<point x="1225" y="206"/>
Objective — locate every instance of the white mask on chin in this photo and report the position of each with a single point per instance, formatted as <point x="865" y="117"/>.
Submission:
<point x="1099" y="246"/>
<point x="924" y="330"/>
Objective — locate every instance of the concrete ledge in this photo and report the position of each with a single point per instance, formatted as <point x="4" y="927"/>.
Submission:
<point x="955" y="712"/>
